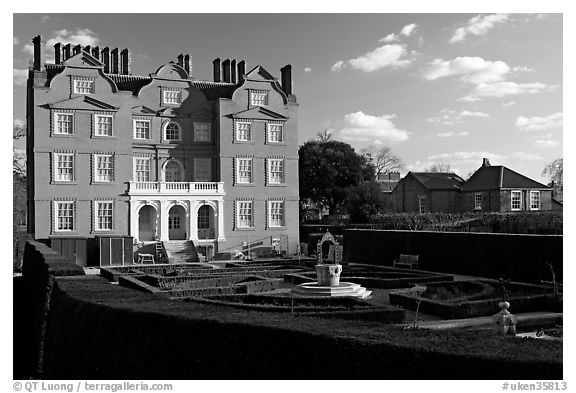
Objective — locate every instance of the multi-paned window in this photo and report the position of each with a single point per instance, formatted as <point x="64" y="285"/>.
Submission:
<point x="202" y="132"/>
<point x="83" y="86"/>
<point x="103" y="125"/>
<point x="276" y="213"/>
<point x="245" y="214"/>
<point x="243" y="131"/>
<point x="173" y="222"/>
<point x="104" y="168"/>
<point x="64" y="215"/>
<point x="478" y="201"/>
<point x="172" y="132"/>
<point x="534" y="200"/>
<point x="64" y="167"/>
<point x="204" y="217"/>
<point x="258" y="97"/>
<point x="422" y="205"/>
<point x="64" y="123"/>
<point x="244" y="170"/>
<point x="516" y="200"/>
<point x="104" y="217"/>
<point x="275" y="171"/>
<point x="141" y="129"/>
<point x="171" y="96"/>
<point x="275" y="132"/>
<point x="141" y="169"/>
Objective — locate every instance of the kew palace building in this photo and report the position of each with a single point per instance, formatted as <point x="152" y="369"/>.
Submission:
<point x="163" y="157"/>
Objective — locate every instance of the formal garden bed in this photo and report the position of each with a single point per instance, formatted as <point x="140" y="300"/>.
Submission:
<point x="476" y="298"/>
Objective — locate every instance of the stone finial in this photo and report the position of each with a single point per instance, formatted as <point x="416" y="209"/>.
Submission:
<point x="505" y="321"/>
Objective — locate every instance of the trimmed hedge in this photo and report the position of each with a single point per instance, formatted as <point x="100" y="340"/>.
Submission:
<point x="518" y="257"/>
<point x="96" y="330"/>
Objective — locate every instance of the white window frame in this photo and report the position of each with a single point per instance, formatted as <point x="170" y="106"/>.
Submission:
<point x="241" y="207"/>
<point x="97" y="221"/>
<point x="55" y="159"/>
<point x="197" y="164"/>
<point x="238" y="133"/>
<point x="274" y="181"/>
<point x="422" y="205"/>
<point x="57" y="216"/>
<point x="240" y="165"/>
<point x="269" y="132"/>
<point x="259" y="97"/>
<point x="56" y="129"/>
<point x="96" y="131"/>
<point x="91" y="89"/>
<point x="519" y="199"/>
<point x="478" y="201"/>
<point x="537" y="199"/>
<point x="135" y="130"/>
<point x="97" y="160"/>
<point x="197" y="126"/>
<point x="168" y="100"/>
<point x="274" y="223"/>
<point x="165" y="132"/>
<point x="136" y="171"/>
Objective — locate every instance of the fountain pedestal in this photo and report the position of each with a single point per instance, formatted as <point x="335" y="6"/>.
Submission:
<point x="328" y="285"/>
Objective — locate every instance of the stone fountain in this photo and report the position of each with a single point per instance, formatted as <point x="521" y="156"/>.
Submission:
<point x="328" y="277"/>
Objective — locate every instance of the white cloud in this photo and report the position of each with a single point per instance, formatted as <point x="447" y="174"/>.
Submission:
<point x="469" y="69"/>
<point x="45" y="18"/>
<point x="466" y="157"/>
<point x="448" y="134"/>
<point x="545" y="143"/>
<point x="20" y="76"/>
<point x="393" y="56"/>
<point x="508" y="104"/>
<point x="362" y="128"/>
<point x="390" y="38"/>
<point x="83" y="37"/>
<point x="408" y="29"/>
<point x="479" y="25"/>
<point x="28" y="48"/>
<point x="537" y="123"/>
<point x="520" y="155"/>
<point x="450" y="117"/>
<point x="18" y="122"/>
<point x="505" y="88"/>
<point x="16" y="40"/>
<point x="338" y="66"/>
<point x="308" y="69"/>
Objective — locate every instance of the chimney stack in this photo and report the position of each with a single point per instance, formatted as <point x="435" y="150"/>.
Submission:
<point x="188" y="64"/>
<point x="241" y="71"/>
<point x="226" y="70"/>
<point x="485" y="162"/>
<point x="39" y="52"/>
<point x="65" y="52"/>
<point x="88" y="49"/>
<point x="233" y="71"/>
<point x="57" y="53"/>
<point x="77" y="49"/>
<point x="106" y="59"/>
<point x="125" y="61"/>
<point x="115" y="61"/>
<point x="96" y="52"/>
<point x="181" y="60"/>
<point x="216" y="66"/>
<point x="287" y="79"/>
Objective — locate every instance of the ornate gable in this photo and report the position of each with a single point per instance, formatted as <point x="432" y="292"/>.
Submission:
<point x="260" y="74"/>
<point x="83" y="59"/>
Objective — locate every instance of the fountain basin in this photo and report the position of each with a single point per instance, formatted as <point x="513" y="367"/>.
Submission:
<point x="343" y="289"/>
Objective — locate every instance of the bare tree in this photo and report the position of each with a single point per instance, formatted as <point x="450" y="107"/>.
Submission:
<point x="554" y="170"/>
<point x="18" y="155"/>
<point x="440" y="168"/>
<point x="383" y="159"/>
<point x="324" y="136"/>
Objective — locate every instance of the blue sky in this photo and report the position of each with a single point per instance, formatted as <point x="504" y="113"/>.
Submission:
<point x="436" y="88"/>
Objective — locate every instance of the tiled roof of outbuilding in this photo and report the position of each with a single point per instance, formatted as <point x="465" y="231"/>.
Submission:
<point x="498" y="177"/>
<point x="439" y="181"/>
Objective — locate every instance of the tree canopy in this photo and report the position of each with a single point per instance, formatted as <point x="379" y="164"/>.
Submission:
<point x="327" y="169"/>
<point x="383" y="159"/>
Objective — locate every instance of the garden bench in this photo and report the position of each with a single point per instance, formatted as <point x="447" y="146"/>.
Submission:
<point x="406" y="261"/>
<point x="145" y="258"/>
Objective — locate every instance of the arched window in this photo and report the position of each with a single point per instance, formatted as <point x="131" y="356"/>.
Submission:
<point x="172" y="132"/>
<point x="172" y="171"/>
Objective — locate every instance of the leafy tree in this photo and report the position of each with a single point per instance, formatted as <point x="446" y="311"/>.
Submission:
<point x="327" y="169"/>
<point x="364" y="201"/>
<point x="18" y="155"/>
<point x="383" y="159"/>
<point x="440" y="168"/>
